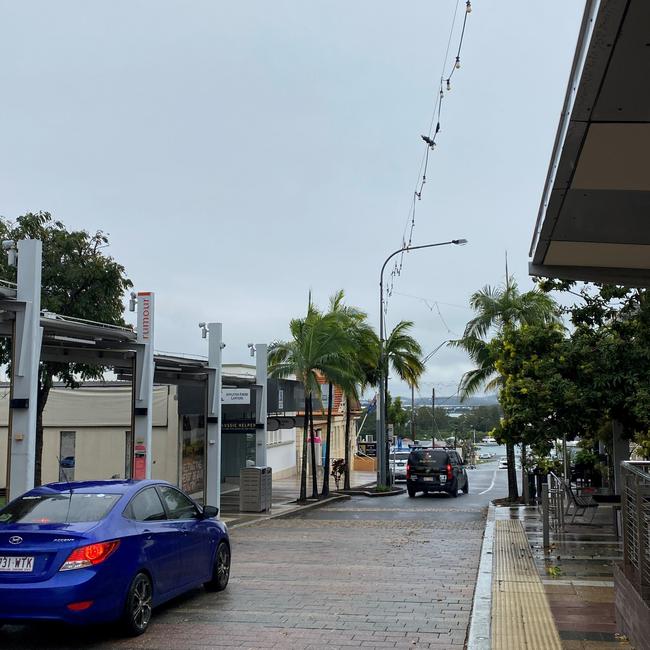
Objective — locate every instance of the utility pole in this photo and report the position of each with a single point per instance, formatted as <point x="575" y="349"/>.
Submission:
<point x="433" y="417"/>
<point x="413" y="413"/>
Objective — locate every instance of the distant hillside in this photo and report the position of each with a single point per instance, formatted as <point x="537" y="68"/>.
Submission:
<point x="453" y="400"/>
<point x="445" y="402"/>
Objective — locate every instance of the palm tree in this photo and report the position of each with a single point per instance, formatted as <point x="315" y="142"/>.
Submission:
<point x="497" y="308"/>
<point x="366" y="346"/>
<point x="363" y="346"/>
<point x="318" y="346"/>
<point x="404" y="354"/>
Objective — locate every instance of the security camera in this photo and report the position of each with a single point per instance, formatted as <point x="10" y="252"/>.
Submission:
<point x="251" y="347"/>
<point x="204" y="330"/>
<point x="9" y="246"/>
<point x="132" y="300"/>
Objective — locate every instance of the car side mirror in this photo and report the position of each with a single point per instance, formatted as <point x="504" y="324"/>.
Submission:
<point x="209" y="512"/>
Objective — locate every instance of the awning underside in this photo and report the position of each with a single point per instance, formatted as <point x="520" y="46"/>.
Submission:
<point x="594" y="221"/>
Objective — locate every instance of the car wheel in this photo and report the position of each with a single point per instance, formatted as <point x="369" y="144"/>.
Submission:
<point x="138" y="606"/>
<point x="220" y="570"/>
<point x="411" y="491"/>
<point x="454" y="489"/>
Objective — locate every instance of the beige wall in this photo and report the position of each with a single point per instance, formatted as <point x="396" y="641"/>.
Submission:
<point x="100" y="417"/>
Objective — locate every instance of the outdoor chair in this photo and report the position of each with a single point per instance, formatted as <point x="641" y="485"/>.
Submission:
<point x="580" y="502"/>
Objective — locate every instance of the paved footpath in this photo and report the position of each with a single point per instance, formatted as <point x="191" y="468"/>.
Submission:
<point x="388" y="572"/>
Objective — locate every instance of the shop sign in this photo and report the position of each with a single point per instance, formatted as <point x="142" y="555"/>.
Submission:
<point x="238" y="426"/>
<point x="235" y="395"/>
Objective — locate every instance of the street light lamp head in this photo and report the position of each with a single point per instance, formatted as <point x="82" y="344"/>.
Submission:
<point x="459" y="242"/>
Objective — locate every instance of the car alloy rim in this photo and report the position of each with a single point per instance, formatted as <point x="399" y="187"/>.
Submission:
<point x="141" y="602"/>
<point x="223" y="565"/>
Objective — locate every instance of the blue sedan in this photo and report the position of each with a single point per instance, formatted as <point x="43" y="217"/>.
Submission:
<point x="98" y="551"/>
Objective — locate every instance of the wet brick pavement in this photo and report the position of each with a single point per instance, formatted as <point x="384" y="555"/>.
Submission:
<point x="391" y="572"/>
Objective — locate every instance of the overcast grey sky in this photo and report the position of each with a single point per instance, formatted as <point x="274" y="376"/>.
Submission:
<point x="242" y="153"/>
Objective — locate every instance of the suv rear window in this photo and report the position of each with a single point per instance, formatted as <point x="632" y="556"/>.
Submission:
<point x="58" y="508"/>
<point x="435" y="458"/>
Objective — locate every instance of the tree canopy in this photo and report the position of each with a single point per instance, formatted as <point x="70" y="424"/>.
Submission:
<point x="78" y="279"/>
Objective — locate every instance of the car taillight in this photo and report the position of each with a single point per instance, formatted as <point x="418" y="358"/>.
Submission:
<point x="90" y="555"/>
<point x="408" y="471"/>
<point x="449" y="472"/>
<point x="81" y="605"/>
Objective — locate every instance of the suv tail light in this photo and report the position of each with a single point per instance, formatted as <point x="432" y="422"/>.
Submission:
<point x="449" y="472"/>
<point x="408" y="470"/>
<point x="90" y="555"/>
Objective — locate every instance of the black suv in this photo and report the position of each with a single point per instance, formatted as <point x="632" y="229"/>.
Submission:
<point x="435" y="470"/>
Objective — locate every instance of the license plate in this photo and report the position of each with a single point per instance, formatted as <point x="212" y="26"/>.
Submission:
<point x="427" y="478"/>
<point x="16" y="563"/>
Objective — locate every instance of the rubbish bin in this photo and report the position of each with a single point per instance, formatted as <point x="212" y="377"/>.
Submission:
<point x="255" y="489"/>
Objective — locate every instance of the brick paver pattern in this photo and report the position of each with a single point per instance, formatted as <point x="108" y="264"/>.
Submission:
<point x="351" y="581"/>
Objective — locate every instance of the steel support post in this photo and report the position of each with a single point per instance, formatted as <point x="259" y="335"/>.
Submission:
<point x="143" y="397"/>
<point x="212" y="493"/>
<point x="27" y="339"/>
<point x="261" y="378"/>
<point x="546" y="522"/>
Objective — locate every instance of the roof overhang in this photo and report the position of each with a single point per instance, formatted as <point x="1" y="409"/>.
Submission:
<point x="594" y="218"/>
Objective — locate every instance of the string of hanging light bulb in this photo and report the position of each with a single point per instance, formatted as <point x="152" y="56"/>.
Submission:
<point x="430" y="142"/>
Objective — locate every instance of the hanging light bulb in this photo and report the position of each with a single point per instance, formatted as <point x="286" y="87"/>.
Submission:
<point x="457" y="62"/>
<point x="448" y="85"/>
<point x="468" y="7"/>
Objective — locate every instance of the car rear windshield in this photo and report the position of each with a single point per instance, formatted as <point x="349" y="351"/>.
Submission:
<point x="399" y="455"/>
<point x="58" y="508"/>
<point x="436" y="458"/>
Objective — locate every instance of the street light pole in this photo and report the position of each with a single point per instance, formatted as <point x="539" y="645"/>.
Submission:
<point x="382" y="440"/>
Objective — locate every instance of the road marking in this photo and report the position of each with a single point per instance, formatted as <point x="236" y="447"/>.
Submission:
<point x="494" y="478"/>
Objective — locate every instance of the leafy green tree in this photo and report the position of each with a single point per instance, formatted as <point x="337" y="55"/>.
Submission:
<point x="497" y="308"/>
<point x="79" y="280"/>
<point x="318" y="347"/>
<point x="481" y="419"/>
<point x="611" y="335"/>
<point x="397" y="416"/>
<point x="540" y="397"/>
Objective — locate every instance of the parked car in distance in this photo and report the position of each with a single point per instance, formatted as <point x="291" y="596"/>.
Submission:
<point x="484" y="455"/>
<point x="503" y="463"/>
<point x="397" y="461"/>
<point x="100" y="551"/>
<point x="67" y="462"/>
<point x="435" y="470"/>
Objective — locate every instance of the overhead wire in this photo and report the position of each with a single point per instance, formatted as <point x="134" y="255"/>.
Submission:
<point x="430" y="301"/>
<point x="430" y="141"/>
